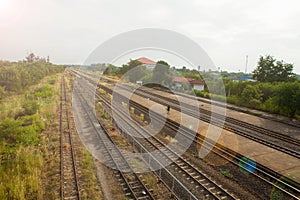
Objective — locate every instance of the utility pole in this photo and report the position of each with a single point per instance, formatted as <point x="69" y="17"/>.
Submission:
<point x="246" y="64"/>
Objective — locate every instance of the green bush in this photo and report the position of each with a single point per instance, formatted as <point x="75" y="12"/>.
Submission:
<point x="2" y="92"/>
<point x="202" y="94"/>
<point x="30" y="107"/>
<point x="33" y="121"/>
<point x="43" y="92"/>
<point x="251" y="96"/>
<point x="52" y="81"/>
<point x="278" y="97"/>
<point x="218" y="97"/>
<point x="17" y="76"/>
<point x="234" y="100"/>
<point x="270" y="105"/>
<point x="23" y="131"/>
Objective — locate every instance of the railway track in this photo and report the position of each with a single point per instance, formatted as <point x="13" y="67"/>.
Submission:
<point x="267" y="137"/>
<point x="133" y="186"/>
<point x="208" y="101"/>
<point x="198" y="181"/>
<point x="264" y="174"/>
<point x="216" y="103"/>
<point x="231" y="120"/>
<point x="178" y="190"/>
<point x="232" y="107"/>
<point x="69" y="186"/>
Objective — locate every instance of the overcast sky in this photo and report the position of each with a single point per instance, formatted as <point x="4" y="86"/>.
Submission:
<point x="228" y="30"/>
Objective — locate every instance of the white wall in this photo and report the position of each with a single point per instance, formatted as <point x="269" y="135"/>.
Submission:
<point x="149" y="67"/>
<point x="198" y="87"/>
<point x="178" y="85"/>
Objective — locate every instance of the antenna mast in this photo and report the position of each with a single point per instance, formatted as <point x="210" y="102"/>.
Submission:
<point x="246" y="64"/>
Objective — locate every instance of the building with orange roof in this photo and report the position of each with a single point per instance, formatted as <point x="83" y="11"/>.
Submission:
<point x="149" y="64"/>
<point x="191" y="83"/>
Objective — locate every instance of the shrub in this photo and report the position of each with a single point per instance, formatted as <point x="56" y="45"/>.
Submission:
<point x="43" y="92"/>
<point x="2" y="92"/>
<point x="22" y="131"/>
<point x="30" y="107"/>
<point x="251" y="96"/>
<point x="234" y="100"/>
<point x="52" y="81"/>
<point x="218" y="97"/>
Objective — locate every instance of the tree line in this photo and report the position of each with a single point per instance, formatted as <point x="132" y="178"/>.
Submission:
<point x="277" y="89"/>
<point x="279" y="98"/>
<point x="134" y="71"/>
<point x="16" y="76"/>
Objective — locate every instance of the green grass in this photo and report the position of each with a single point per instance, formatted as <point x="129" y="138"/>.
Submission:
<point x="20" y="175"/>
<point x="23" y="148"/>
<point x="91" y="186"/>
<point x="105" y="116"/>
<point x="226" y="173"/>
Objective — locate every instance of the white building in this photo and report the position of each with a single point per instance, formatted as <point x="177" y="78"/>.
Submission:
<point x="191" y="83"/>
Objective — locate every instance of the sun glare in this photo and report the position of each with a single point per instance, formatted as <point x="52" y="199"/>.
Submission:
<point x="10" y="10"/>
<point x="4" y="4"/>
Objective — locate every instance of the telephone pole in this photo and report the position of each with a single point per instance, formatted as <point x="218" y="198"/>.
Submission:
<point x="246" y="64"/>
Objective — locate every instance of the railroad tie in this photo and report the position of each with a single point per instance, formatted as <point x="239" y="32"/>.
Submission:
<point x="128" y="194"/>
<point x="71" y="197"/>
<point x="143" y="197"/>
<point x="202" y="180"/>
<point x="135" y="187"/>
<point x="211" y="188"/>
<point x="224" y="197"/>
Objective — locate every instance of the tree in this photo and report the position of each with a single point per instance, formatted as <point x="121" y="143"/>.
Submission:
<point x="287" y="99"/>
<point x="268" y="90"/>
<point x="30" y="58"/>
<point x="251" y="96"/>
<point x="15" y="77"/>
<point x="133" y="71"/>
<point x="270" y="70"/>
<point x="111" y="70"/>
<point x="137" y="73"/>
<point x="161" y="73"/>
<point x="132" y="64"/>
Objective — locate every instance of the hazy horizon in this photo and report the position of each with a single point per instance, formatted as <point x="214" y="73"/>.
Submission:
<point x="227" y="30"/>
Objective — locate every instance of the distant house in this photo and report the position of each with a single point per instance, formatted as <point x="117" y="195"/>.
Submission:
<point x="241" y="78"/>
<point x="180" y="82"/>
<point x="149" y="64"/>
<point x="234" y="78"/>
<point x="247" y="78"/>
